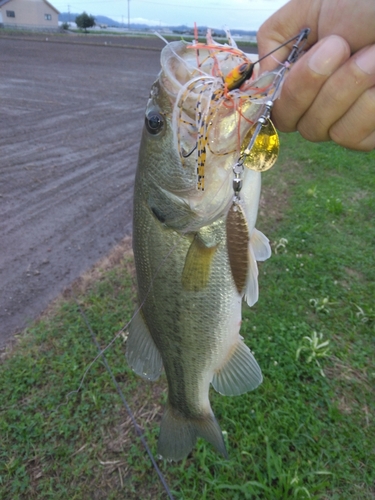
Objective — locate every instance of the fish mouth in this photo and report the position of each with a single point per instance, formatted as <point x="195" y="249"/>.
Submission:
<point x="209" y="122"/>
<point x="207" y="125"/>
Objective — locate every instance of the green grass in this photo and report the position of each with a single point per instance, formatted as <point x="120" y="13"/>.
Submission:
<point x="135" y="35"/>
<point x="307" y="432"/>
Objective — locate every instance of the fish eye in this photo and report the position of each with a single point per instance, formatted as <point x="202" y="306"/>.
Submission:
<point x="154" y="123"/>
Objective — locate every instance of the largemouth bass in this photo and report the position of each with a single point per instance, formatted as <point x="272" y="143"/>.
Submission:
<point x="194" y="238"/>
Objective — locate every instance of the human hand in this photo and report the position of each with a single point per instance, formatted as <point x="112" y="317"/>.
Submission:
<point x="329" y="94"/>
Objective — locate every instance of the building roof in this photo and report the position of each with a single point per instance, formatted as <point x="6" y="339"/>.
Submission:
<point x="52" y="7"/>
<point x="3" y="2"/>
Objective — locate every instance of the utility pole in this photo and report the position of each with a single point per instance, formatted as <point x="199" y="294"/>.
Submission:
<point x="69" y="13"/>
<point x="128" y="15"/>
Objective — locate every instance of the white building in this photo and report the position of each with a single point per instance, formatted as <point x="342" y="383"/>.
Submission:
<point x="32" y="14"/>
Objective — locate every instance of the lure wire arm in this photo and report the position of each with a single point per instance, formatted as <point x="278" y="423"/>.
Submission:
<point x="238" y="170"/>
<point x="304" y="33"/>
<point x="265" y="116"/>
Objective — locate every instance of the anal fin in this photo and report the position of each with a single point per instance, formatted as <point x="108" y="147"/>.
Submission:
<point x="239" y="374"/>
<point x="141" y="351"/>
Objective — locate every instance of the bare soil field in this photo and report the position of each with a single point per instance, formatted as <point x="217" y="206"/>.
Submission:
<point x="71" y="119"/>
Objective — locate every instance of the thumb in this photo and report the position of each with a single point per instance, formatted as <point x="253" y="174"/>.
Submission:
<point x="284" y="24"/>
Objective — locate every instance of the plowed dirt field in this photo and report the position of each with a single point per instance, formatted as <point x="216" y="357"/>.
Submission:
<point x="71" y="116"/>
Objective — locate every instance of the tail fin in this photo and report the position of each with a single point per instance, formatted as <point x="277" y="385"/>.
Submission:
<point x="178" y="434"/>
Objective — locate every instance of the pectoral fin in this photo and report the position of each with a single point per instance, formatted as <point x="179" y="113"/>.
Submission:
<point x="238" y="243"/>
<point x="240" y="372"/>
<point x="141" y="351"/>
<point x="261" y="245"/>
<point x="197" y="268"/>
<point x="252" y="287"/>
<point x="259" y="250"/>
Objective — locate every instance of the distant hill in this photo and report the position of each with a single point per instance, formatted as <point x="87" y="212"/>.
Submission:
<point x="66" y="17"/>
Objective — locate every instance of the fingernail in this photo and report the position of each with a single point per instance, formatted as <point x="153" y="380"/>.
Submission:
<point x="366" y="61"/>
<point x="328" y="56"/>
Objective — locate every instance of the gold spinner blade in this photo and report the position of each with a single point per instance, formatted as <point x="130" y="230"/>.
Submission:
<point x="265" y="149"/>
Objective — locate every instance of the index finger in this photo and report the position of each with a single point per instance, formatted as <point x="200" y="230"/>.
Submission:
<point x="284" y="24"/>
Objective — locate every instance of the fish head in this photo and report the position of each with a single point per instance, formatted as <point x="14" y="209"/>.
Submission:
<point x="194" y="129"/>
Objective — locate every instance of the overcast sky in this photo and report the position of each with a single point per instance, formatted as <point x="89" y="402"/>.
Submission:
<point x="245" y="14"/>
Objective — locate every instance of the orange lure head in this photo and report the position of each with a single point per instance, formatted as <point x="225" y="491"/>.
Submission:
<point x="238" y="75"/>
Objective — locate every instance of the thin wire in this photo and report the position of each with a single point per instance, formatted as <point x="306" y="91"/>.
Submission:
<point x="185" y="6"/>
<point x="277" y="48"/>
<point x="123" y="329"/>
<point x="130" y="413"/>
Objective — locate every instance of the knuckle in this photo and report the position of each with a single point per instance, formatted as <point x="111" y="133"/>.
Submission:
<point x="332" y="97"/>
<point x="262" y="33"/>
<point x="370" y="98"/>
<point x="313" y="129"/>
<point x="288" y="109"/>
<point x="283" y="121"/>
<point x="339" y="135"/>
<point x="354" y="128"/>
<point x="284" y="127"/>
<point x="368" y="144"/>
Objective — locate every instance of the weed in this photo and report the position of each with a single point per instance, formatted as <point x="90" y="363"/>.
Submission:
<point x="321" y="305"/>
<point x="279" y="246"/>
<point x="315" y="348"/>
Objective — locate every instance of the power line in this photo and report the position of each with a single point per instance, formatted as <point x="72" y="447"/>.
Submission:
<point x="229" y="7"/>
<point x="186" y="6"/>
